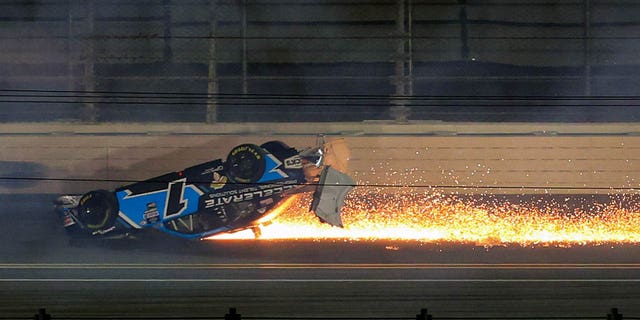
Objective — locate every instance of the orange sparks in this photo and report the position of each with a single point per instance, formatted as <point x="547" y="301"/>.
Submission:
<point x="432" y="217"/>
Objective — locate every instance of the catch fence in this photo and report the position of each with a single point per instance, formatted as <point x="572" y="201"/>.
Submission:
<point x="346" y="60"/>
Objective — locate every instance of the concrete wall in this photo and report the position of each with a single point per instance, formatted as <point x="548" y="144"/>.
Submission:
<point x="569" y="160"/>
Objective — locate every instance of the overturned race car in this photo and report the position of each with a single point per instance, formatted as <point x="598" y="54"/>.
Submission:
<point x="217" y="196"/>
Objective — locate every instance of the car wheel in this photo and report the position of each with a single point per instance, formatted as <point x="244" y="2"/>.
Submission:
<point x="246" y="163"/>
<point x="98" y="209"/>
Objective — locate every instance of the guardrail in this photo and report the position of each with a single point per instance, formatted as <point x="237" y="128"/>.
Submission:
<point x="233" y="314"/>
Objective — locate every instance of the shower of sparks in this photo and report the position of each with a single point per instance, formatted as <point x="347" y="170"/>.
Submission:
<point x="433" y="217"/>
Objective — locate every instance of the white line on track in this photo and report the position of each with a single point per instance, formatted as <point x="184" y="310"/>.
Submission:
<point x="120" y="280"/>
<point x="319" y="266"/>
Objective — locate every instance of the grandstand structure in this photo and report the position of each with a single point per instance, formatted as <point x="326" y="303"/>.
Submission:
<point x="319" y="60"/>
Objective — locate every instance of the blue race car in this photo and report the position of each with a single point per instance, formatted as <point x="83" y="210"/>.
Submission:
<point x="217" y="196"/>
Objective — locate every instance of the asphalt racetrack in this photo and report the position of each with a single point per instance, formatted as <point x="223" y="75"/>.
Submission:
<point x="163" y="276"/>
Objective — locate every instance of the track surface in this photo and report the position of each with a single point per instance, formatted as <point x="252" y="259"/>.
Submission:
<point x="165" y="276"/>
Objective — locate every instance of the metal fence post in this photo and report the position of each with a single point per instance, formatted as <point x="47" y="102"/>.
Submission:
<point x="614" y="315"/>
<point x="212" y="77"/>
<point x="586" y="47"/>
<point x="42" y="315"/>
<point x="423" y="315"/>
<point x="403" y="78"/>
<point x="168" y="49"/>
<point x="243" y="32"/>
<point x="464" y="30"/>
<point x="232" y="315"/>
<point x="90" y="112"/>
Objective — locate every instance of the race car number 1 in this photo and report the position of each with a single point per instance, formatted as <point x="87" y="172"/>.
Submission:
<point x="175" y="198"/>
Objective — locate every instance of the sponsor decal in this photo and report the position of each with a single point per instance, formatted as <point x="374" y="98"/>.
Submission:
<point x="67" y="220"/>
<point x="218" y="182"/>
<point x="246" y="148"/>
<point x="86" y="198"/>
<point x="294" y="162"/>
<point x="212" y="170"/>
<point x="247" y="194"/>
<point x="151" y="215"/>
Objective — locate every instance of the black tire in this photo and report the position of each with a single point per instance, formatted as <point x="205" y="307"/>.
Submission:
<point x="246" y="163"/>
<point x="98" y="209"/>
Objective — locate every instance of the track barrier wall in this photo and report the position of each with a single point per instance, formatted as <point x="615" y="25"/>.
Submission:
<point x="457" y="158"/>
